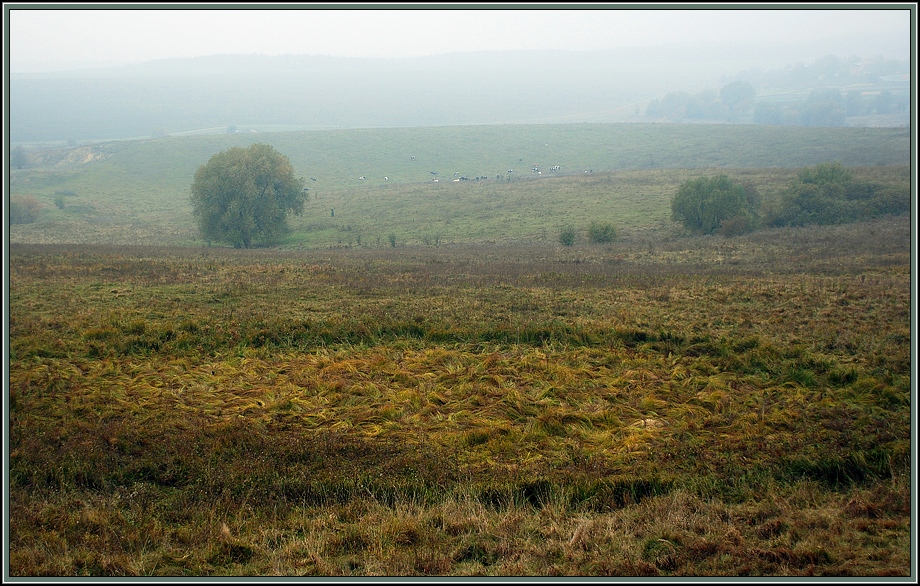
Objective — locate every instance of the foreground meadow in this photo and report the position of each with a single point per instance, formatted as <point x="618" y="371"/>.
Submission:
<point x="654" y="407"/>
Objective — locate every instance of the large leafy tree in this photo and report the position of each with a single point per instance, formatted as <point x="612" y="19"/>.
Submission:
<point x="709" y="204"/>
<point x="242" y="196"/>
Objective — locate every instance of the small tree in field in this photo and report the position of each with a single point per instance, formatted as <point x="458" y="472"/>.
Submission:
<point x="567" y="236"/>
<point x="704" y="204"/>
<point x="241" y="196"/>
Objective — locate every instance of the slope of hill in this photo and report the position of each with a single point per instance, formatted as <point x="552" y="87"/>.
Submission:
<point x="137" y="191"/>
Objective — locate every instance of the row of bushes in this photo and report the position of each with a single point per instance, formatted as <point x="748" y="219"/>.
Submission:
<point x="598" y="233"/>
<point x="824" y="194"/>
<point x="828" y="194"/>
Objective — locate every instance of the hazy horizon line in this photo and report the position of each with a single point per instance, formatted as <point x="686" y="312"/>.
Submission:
<point x="64" y="66"/>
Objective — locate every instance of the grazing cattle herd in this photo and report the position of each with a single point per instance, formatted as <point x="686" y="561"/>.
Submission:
<point x="535" y="168"/>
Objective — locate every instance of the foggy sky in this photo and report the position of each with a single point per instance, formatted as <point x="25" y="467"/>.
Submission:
<point x="48" y="40"/>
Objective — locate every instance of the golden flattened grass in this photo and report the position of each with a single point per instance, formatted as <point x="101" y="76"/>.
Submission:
<point x="615" y="418"/>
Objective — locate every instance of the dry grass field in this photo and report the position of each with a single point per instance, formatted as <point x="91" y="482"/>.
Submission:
<point x="658" y="406"/>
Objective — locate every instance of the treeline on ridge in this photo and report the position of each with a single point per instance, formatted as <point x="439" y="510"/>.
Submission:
<point x="824" y="93"/>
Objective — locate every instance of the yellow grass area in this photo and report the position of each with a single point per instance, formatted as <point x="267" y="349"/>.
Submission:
<point x="685" y="407"/>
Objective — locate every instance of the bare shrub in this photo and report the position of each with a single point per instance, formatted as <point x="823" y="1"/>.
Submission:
<point x="24" y="210"/>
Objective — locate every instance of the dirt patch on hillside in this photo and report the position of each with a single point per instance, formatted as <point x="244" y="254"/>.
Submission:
<point x="66" y="157"/>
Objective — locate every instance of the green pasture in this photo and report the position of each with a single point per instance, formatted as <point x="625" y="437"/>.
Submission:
<point x="137" y="191"/>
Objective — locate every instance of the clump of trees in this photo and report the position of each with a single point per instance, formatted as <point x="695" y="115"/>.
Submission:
<point x="825" y="104"/>
<point x="243" y="196"/>
<point x="733" y="100"/>
<point x="828" y="194"/>
<point x="707" y="205"/>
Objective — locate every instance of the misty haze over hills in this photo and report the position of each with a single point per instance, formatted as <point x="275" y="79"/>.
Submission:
<point x="292" y="92"/>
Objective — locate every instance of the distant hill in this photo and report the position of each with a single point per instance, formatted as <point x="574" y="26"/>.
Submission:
<point x="302" y="92"/>
<point x="309" y="92"/>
